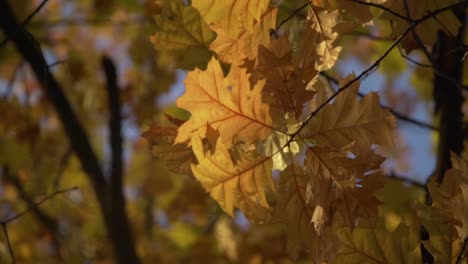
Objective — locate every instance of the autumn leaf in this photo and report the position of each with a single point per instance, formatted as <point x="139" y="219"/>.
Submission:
<point x="320" y="33"/>
<point x="242" y="184"/>
<point x="286" y="83"/>
<point x="229" y="105"/>
<point x="447" y="219"/>
<point x="178" y="157"/>
<point x="241" y="26"/>
<point x="341" y="183"/>
<point x="295" y="213"/>
<point x="183" y="33"/>
<point x="329" y="183"/>
<point x="348" y="120"/>
<point x="353" y="15"/>
<point x="371" y="242"/>
<point x="427" y="30"/>
<point x="232" y="16"/>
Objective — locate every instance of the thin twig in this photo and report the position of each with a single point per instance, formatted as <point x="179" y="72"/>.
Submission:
<point x="113" y="212"/>
<point x="460" y="256"/>
<point x="408" y="58"/>
<point x="297" y="11"/>
<point x="62" y="165"/>
<point x="26" y="21"/>
<point x="407" y="180"/>
<point x="87" y="22"/>
<point x="398" y="115"/>
<point x="373" y="66"/>
<point x="386" y="9"/>
<point x="34" y="206"/>
<point x="41" y="201"/>
<point x="10" y="248"/>
<point x="369" y="36"/>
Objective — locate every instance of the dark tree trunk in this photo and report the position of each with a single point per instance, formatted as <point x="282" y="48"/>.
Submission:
<point x="109" y="196"/>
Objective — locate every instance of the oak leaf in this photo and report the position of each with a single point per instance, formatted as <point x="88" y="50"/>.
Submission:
<point x="182" y="33"/>
<point x="348" y="120"/>
<point x="229" y="105"/>
<point x="321" y="35"/>
<point x="241" y="26"/>
<point x="371" y="242"/>
<point x="295" y="213"/>
<point x="178" y="157"/>
<point x="447" y="219"/>
<point x="427" y="30"/>
<point x="242" y="184"/>
<point x="286" y="83"/>
<point x="232" y="16"/>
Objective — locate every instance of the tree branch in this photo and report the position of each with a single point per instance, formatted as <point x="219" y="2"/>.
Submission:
<point x="47" y="221"/>
<point x="121" y="228"/>
<point x="26" y="21"/>
<point x="273" y="32"/>
<point x="117" y="227"/>
<point x="10" y="248"/>
<point x="375" y="64"/>
<point x="410" y="181"/>
<point x="460" y="256"/>
<point x="33" y="208"/>
<point x="386" y="9"/>
<point x="114" y="125"/>
<point x="398" y="115"/>
<point x="29" y="48"/>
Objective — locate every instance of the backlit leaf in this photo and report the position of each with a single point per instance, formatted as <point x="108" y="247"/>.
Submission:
<point x="229" y="105"/>
<point x="242" y="184"/>
<point x="349" y="120"/>
<point x="184" y="34"/>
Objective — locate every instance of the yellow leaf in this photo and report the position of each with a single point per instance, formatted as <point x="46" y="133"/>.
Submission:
<point x="320" y="34"/>
<point x="184" y="34"/>
<point x="232" y="16"/>
<point x="348" y="120"/>
<point x="241" y="25"/>
<point x="242" y="184"/>
<point x="353" y="14"/>
<point x="229" y="105"/>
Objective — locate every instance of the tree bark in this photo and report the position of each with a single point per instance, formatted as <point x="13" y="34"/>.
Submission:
<point x="448" y="101"/>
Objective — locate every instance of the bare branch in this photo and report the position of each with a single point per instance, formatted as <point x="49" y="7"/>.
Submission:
<point x="407" y="180"/>
<point x="26" y="21"/>
<point x="62" y="165"/>
<point x="460" y="256"/>
<point x="32" y="207"/>
<point x="373" y="66"/>
<point x="297" y="11"/>
<point x="369" y="36"/>
<point x="386" y="9"/>
<point x="38" y="203"/>
<point x="408" y="58"/>
<point x="30" y="49"/>
<point x="10" y="248"/>
<point x="114" y="125"/>
<point x="398" y="115"/>
<point x="114" y="215"/>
